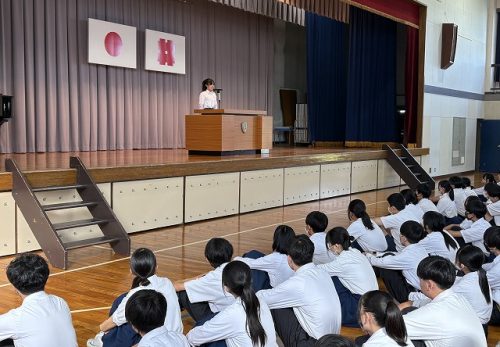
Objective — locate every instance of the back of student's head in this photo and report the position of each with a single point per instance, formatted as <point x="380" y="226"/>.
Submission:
<point x="283" y="237"/>
<point x="338" y="236"/>
<point x="447" y="188"/>
<point x="473" y="258"/>
<point x="333" y="340"/>
<point x="424" y="189"/>
<point x="477" y="208"/>
<point x="397" y="200"/>
<point x="146" y="310"/>
<point x="318" y="221"/>
<point x="489" y="178"/>
<point x="218" y="251"/>
<point x="28" y="273"/>
<point x="456" y="182"/>
<point x="237" y="277"/>
<point x="413" y="231"/>
<point x="301" y="250"/>
<point x="492" y="189"/>
<point x="492" y="237"/>
<point x="466" y="182"/>
<point x="410" y="197"/>
<point x="143" y="266"/>
<point x="386" y="314"/>
<point x="469" y="199"/>
<point x="435" y="222"/>
<point x="437" y="269"/>
<point x="358" y="209"/>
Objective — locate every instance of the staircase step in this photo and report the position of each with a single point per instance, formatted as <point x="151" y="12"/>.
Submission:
<point x="68" y="205"/>
<point x="90" y="242"/>
<point x="417" y="174"/>
<point x="53" y="188"/>
<point x="79" y="223"/>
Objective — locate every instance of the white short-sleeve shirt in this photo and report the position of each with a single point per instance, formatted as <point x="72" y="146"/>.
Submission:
<point x="426" y="205"/>
<point x="394" y="222"/>
<point x="381" y="339"/>
<point x="275" y="264"/>
<point x="468" y="286"/>
<point x="494" y="211"/>
<point x="321" y="254"/>
<point x="434" y="245"/>
<point x="369" y="240"/>
<point x="459" y="200"/>
<point x="446" y="206"/>
<point x="161" y="337"/>
<point x="207" y="99"/>
<point x="493" y="274"/>
<point x="475" y="234"/>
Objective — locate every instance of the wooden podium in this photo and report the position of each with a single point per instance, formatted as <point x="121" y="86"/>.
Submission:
<point x="226" y="131"/>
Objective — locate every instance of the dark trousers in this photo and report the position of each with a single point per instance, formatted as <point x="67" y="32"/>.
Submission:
<point x="453" y="220"/>
<point x="260" y="279"/>
<point x="396" y="284"/>
<point x="123" y="335"/>
<point x="200" y="311"/>
<point x="289" y="329"/>
<point x="7" y="343"/>
<point x="495" y="315"/>
<point x="348" y="304"/>
<point x="391" y="244"/>
<point x="356" y="245"/>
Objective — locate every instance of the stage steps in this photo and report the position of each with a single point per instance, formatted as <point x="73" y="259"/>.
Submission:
<point x="46" y="232"/>
<point x="408" y="168"/>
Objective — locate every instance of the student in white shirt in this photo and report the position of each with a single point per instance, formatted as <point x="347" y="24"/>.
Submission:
<point x="316" y="224"/>
<point x="465" y="224"/>
<point x="493" y="192"/>
<point x="399" y="272"/>
<point x="42" y="320"/>
<point x="459" y="194"/>
<point x="334" y="340"/>
<point x="146" y="312"/>
<point x="381" y="319"/>
<point x="306" y="306"/>
<point x="246" y="323"/>
<point x="351" y="274"/>
<point x="438" y="241"/>
<point x="392" y="223"/>
<point x="487" y="178"/>
<point x="116" y="331"/>
<point x="423" y="193"/>
<point x="208" y="98"/>
<point x="368" y="237"/>
<point x="448" y="320"/>
<point x="445" y="203"/>
<point x="467" y="187"/>
<point x="411" y="203"/>
<point x="204" y="296"/>
<point x="492" y="242"/>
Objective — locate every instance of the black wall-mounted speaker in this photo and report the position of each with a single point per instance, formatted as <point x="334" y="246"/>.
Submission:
<point x="448" y="45"/>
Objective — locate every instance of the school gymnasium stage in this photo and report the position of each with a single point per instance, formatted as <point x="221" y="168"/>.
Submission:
<point x="167" y="201"/>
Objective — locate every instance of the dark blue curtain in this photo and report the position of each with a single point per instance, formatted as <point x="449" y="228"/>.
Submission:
<point x="326" y="78"/>
<point x="371" y="83"/>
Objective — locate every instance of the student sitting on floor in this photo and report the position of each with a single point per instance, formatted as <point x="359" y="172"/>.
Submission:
<point x="334" y="340"/>
<point x="492" y="242"/>
<point x="316" y="224"/>
<point x="368" y="237"/>
<point x="445" y="204"/>
<point x="411" y="203"/>
<point x="245" y="323"/>
<point x="438" y="241"/>
<point x="306" y="306"/>
<point x="459" y="194"/>
<point x="392" y="223"/>
<point x="380" y="317"/>
<point x="487" y="178"/>
<point x="351" y="273"/>
<point x="204" y="296"/>
<point x="270" y="270"/>
<point x="146" y="312"/>
<point x="42" y="320"/>
<point x="116" y="331"/>
<point x="466" y="223"/>
<point x="448" y="320"/>
<point x="493" y="193"/>
<point x="423" y="193"/>
<point x="399" y="272"/>
<point x="467" y="187"/>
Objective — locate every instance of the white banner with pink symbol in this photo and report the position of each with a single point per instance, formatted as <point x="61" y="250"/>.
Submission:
<point x="112" y="44"/>
<point x="165" y="52"/>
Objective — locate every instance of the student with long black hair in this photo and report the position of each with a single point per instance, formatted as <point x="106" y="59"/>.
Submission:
<point x="459" y="194"/>
<point x="367" y="235"/>
<point x="380" y="317"/>
<point x="207" y="98"/>
<point x="423" y="193"/>
<point x="438" y="241"/>
<point x="492" y="243"/>
<point x="351" y="273"/>
<point x="245" y="323"/>
<point x="411" y="203"/>
<point x="445" y="203"/>
<point x="467" y="187"/>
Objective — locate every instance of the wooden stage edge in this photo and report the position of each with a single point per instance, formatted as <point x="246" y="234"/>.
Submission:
<point x="51" y="169"/>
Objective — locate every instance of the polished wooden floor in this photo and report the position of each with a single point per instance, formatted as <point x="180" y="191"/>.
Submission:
<point x="96" y="276"/>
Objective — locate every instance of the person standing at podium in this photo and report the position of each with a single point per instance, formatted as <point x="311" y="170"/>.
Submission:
<point x="208" y="98"/>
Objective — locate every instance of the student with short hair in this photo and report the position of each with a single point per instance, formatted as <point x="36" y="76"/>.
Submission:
<point x="42" y="320"/>
<point x="466" y="223"/>
<point x="423" y="193"/>
<point x="493" y="192"/>
<point x="411" y="203"/>
<point x="380" y="317"/>
<point x="368" y="237"/>
<point x="487" y="178"/>
<point x="399" y="215"/>
<point x="316" y="224"/>
<point x="399" y="272"/>
<point x="459" y="194"/>
<point x="438" y="241"/>
<point x="146" y="311"/>
<point x="247" y="322"/>
<point x="306" y="306"/>
<point x="351" y="274"/>
<point x="492" y="243"/>
<point x="270" y="270"/>
<point x="467" y="187"/>
<point x="334" y="340"/>
<point x="448" y="320"/>
<point x="204" y="296"/>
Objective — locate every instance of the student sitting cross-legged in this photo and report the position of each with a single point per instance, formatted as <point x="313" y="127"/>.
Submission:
<point x="245" y="323"/>
<point x="368" y="237"/>
<point x="492" y="242"/>
<point x="445" y="203"/>
<point x="411" y="203"/>
<point x="43" y="320"/>
<point x="204" y="296"/>
<point x="487" y="178"/>
<point x="270" y="270"/>
<point x="316" y="224"/>
<point x="351" y="273"/>
<point x="146" y="311"/>
<point x="493" y="192"/>
<point x="306" y="306"/>
<point x="438" y="241"/>
<point x="423" y="193"/>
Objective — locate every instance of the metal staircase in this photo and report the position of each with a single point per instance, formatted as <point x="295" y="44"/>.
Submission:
<point x="47" y="233"/>
<point x="408" y="168"/>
